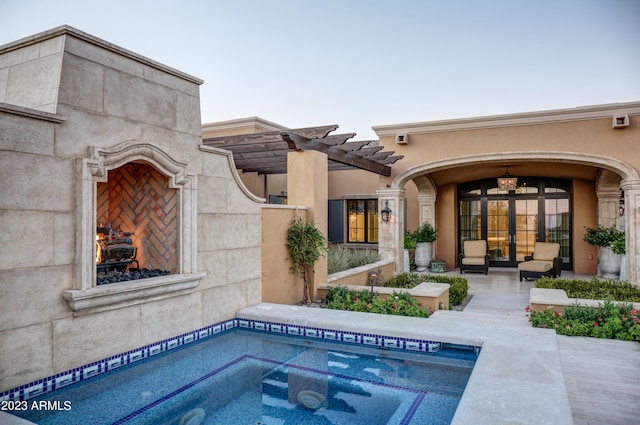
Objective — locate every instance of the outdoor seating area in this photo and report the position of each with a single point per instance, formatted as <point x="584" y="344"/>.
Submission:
<point x="544" y="262"/>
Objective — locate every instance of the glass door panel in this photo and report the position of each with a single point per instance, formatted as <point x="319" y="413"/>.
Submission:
<point x="557" y="225"/>
<point x="526" y="227"/>
<point x="470" y="220"/>
<point x="498" y="232"/>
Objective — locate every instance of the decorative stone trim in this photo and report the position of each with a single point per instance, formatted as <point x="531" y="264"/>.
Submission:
<point x="96" y="169"/>
<point x="123" y="294"/>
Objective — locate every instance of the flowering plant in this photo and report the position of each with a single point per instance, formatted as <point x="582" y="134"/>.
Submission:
<point x="609" y="320"/>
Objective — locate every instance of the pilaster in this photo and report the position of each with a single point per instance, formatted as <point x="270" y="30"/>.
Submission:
<point x="391" y="234"/>
<point x="631" y="190"/>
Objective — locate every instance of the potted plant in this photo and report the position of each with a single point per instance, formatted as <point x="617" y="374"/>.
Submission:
<point x="424" y="235"/>
<point x="611" y="244"/>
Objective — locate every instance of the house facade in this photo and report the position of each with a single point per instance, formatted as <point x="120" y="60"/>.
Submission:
<point x="575" y="168"/>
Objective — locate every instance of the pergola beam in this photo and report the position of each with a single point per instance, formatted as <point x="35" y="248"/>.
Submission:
<point x="266" y="152"/>
<point x="335" y="153"/>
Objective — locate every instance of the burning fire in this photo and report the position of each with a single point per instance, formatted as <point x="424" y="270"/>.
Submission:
<point x="98" y="250"/>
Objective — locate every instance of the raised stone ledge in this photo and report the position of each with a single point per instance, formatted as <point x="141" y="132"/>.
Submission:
<point x="123" y="294"/>
<point x="543" y="298"/>
<point x="361" y="273"/>
<point x="432" y="296"/>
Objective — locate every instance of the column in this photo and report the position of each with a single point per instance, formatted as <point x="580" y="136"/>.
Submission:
<point x="308" y="184"/>
<point x="427" y="214"/>
<point x="391" y="234"/>
<point x="632" y="218"/>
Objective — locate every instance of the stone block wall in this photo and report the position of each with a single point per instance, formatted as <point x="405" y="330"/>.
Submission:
<point x="87" y="107"/>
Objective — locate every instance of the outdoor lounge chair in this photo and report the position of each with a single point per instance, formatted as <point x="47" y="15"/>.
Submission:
<point x="545" y="261"/>
<point x="474" y="256"/>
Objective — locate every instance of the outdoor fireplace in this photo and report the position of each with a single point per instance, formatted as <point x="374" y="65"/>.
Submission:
<point x="136" y="233"/>
<point x="138" y="189"/>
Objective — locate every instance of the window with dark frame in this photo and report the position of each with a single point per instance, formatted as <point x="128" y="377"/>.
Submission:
<point x="362" y="221"/>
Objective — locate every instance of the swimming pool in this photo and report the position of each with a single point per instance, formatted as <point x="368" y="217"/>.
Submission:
<point x="241" y="376"/>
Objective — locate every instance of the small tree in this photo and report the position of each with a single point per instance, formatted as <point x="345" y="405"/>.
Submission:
<point x="306" y="244"/>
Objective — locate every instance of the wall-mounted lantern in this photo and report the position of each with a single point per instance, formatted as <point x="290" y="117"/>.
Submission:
<point x="386" y="212"/>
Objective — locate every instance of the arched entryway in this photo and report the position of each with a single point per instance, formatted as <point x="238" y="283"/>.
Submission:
<point x="431" y="179"/>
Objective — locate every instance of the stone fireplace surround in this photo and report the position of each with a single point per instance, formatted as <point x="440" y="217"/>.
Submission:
<point x="87" y="297"/>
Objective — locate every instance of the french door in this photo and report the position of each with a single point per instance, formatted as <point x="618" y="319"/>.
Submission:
<point x="512" y="229"/>
<point x="511" y="222"/>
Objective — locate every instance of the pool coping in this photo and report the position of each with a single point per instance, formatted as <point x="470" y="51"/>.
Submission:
<point x="517" y="379"/>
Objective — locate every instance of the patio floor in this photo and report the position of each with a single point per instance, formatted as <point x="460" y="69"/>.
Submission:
<point x="602" y="376"/>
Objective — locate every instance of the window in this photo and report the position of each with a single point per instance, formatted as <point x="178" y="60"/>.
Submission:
<point x="362" y="221"/>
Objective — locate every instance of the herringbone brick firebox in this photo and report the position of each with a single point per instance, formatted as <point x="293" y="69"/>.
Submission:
<point x="137" y="199"/>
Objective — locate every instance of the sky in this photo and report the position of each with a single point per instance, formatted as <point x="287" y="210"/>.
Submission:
<point x="363" y="63"/>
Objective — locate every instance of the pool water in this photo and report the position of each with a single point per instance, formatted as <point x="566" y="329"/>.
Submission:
<point x="246" y="377"/>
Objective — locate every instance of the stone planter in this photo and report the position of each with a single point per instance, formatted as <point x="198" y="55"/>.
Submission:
<point x="609" y="263"/>
<point x="424" y="254"/>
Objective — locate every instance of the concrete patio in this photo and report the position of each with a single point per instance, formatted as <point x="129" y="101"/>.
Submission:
<point x="602" y="376"/>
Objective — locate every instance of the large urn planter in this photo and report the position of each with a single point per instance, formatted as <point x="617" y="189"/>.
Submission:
<point x="609" y="263"/>
<point x="424" y="254"/>
<point x="611" y="248"/>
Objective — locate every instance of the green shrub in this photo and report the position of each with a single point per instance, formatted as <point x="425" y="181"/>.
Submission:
<point x="607" y="321"/>
<point x="425" y="233"/>
<point x="606" y="237"/>
<point x="594" y="289"/>
<point x="459" y="287"/>
<point x="409" y="240"/>
<point x="340" y="258"/>
<point x="397" y="304"/>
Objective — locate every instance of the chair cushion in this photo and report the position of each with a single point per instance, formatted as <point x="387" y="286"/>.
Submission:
<point x="536" y="266"/>
<point x="475" y="249"/>
<point x="473" y="261"/>
<point x="546" y="251"/>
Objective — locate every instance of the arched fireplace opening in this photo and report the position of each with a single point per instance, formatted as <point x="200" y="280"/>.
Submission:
<point x="137" y="233"/>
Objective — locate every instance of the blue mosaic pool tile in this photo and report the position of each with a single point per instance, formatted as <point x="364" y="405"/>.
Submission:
<point x="331" y="335"/>
<point x="276" y="328"/>
<point x="94" y="369"/>
<point x="352" y="338"/>
<point x="35" y="390"/>
<point x="294" y="330"/>
<point x="390" y="343"/>
<point x="412" y="345"/>
<point x="432" y="347"/>
<point x="312" y="333"/>
<point x="66" y="379"/>
<point x="115" y="363"/>
<point x="370" y="340"/>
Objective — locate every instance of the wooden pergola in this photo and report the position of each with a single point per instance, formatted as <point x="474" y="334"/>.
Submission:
<point x="266" y="152"/>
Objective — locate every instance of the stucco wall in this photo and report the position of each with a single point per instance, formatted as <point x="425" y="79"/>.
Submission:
<point x="279" y="285"/>
<point x="109" y="100"/>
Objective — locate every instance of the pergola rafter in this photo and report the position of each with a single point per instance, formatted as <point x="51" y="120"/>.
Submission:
<point x="266" y="152"/>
